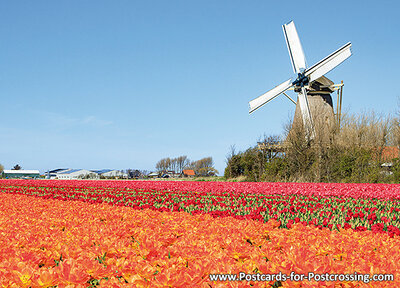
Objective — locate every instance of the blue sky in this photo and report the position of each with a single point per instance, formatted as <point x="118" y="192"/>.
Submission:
<point x="122" y="84"/>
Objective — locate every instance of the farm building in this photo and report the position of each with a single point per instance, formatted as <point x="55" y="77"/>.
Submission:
<point x="108" y="173"/>
<point x="389" y="153"/>
<point x="188" y="173"/>
<point x="169" y="174"/>
<point x="52" y="174"/>
<point x="77" y="174"/>
<point x="153" y="175"/>
<point x="19" y="174"/>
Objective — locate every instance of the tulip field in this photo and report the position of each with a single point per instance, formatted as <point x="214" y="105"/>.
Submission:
<point x="76" y="233"/>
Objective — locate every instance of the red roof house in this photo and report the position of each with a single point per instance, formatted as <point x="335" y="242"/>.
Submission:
<point x="188" y="173"/>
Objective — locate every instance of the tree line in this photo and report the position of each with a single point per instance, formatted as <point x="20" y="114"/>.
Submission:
<point x="202" y="167"/>
<point x="363" y="149"/>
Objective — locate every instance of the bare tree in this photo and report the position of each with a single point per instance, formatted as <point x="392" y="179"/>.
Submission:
<point x="205" y="167"/>
<point x="173" y="164"/>
<point x="232" y="152"/>
<point x="182" y="162"/>
<point x="163" y="165"/>
<point x="144" y="172"/>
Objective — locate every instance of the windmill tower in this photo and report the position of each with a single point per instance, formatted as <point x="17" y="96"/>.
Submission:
<point x="314" y="102"/>
<point x="321" y="109"/>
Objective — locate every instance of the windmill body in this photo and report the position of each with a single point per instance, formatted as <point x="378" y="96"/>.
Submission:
<point x="321" y="109"/>
<point x="314" y="102"/>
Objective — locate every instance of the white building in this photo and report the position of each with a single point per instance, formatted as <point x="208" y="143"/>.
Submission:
<point x="153" y="175"/>
<point x="23" y="174"/>
<point x="108" y="173"/>
<point x="76" y="174"/>
<point x="52" y="174"/>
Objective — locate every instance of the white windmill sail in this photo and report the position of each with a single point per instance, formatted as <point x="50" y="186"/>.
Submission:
<point x="329" y="62"/>
<point x="268" y="96"/>
<point x="306" y="114"/>
<point x="294" y="46"/>
<point x="298" y="59"/>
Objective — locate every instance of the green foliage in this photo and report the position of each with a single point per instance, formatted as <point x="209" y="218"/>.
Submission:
<point x="312" y="164"/>
<point x="234" y="167"/>
<point x="353" y="152"/>
<point x="276" y="170"/>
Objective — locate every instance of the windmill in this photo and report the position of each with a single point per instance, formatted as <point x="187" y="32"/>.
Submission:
<point x="310" y="83"/>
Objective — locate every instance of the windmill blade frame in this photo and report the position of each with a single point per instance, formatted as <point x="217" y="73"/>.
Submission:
<point x="268" y="96"/>
<point x="328" y="63"/>
<point x="293" y="43"/>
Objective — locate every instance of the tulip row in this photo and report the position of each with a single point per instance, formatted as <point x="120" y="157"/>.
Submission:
<point x="289" y="203"/>
<point x="52" y="243"/>
<point x="351" y="190"/>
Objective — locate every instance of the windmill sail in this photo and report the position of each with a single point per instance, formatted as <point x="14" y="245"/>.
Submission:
<point x="329" y="62"/>
<point x="306" y="114"/>
<point x="294" y="46"/>
<point x="268" y="96"/>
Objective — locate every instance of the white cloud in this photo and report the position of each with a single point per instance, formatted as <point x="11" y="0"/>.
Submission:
<point x="62" y="121"/>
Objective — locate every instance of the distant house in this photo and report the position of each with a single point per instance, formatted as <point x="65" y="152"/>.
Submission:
<point x="188" y="173"/>
<point x="21" y="174"/>
<point x="52" y="174"/>
<point x="389" y="153"/>
<point x="169" y="174"/>
<point x="71" y="174"/>
<point x="153" y="175"/>
<point x="108" y="173"/>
